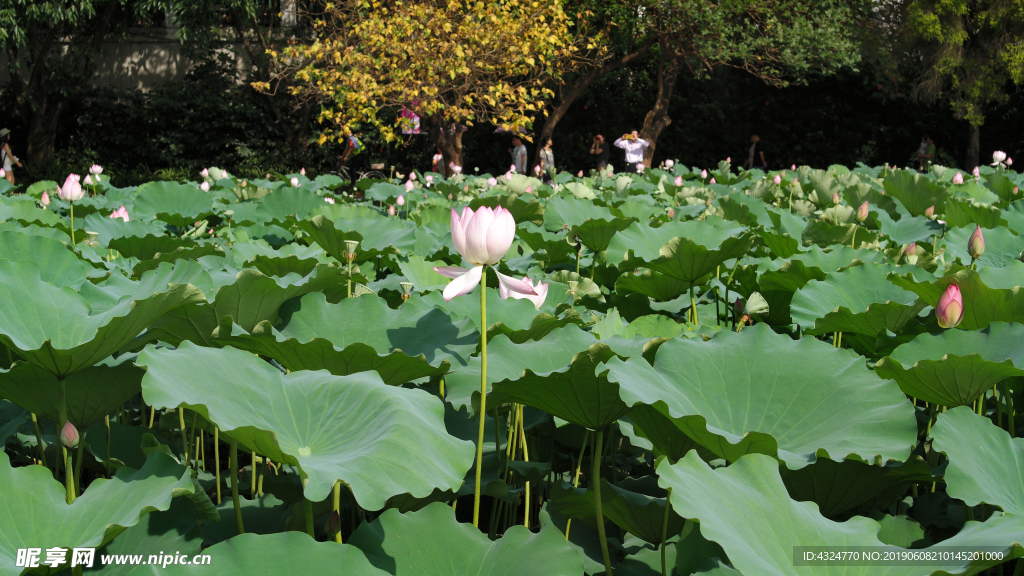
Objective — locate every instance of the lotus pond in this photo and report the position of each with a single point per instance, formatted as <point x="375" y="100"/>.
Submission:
<point x="677" y="371"/>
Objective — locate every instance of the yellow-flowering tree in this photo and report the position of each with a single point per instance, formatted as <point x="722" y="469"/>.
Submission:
<point x="452" y="62"/>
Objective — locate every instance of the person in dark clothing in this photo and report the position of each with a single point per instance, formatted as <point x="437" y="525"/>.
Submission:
<point x="600" y="148"/>
<point x="756" y="157"/>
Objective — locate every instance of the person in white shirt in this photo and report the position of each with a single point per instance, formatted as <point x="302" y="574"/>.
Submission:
<point x="9" y="160"/>
<point x="634" y="146"/>
<point x="519" y="155"/>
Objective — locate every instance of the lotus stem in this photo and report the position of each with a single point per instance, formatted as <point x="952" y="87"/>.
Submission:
<point x="483" y="397"/>
<point x="1009" y="410"/>
<point x="184" y="436"/>
<point x="216" y="459"/>
<point x="202" y="446"/>
<point x="252" y="484"/>
<point x="152" y="415"/>
<point x="664" y="529"/>
<point x="526" y="457"/>
<point x="981" y="405"/>
<point x="73" y="244"/>
<point x="78" y="467"/>
<point x="106" y="463"/>
<point x="337" y="509"/>
<point x="39" y="441"/>
<point x="69" y="479"/>
<point x="441" y="390"/>
<point x="999" y="405"/>
<point x="349" y="279"/>
<point x="62" y="417"/>
<point x="853" y="241"/>
<point x="576" y="477"/>
<point x="307" y="506"/>
<point x="693" y="307"/>
<point x="597" y="504"/>
<point x="233" y="464"/>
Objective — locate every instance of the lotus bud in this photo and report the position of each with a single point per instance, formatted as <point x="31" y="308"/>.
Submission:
<point x="862" y="212"/>
<point x="206" y="173"/>
<point x="408" y="185"/>
<point x="294" y="182"/>
<point x="835" y="198"/>
<point x="777" y="180"/>
<point x="69" y="435"/>
<point x="737" y="306"/>
<point x="329" y="200"/>
<point x="457" y="169"/>
<point x="95" y="170"/>
<point x="508" y="175"/>
<point x="708" y="202"/>
<point x="640" y="167"/>
<point x="88" y="180"/>
<point x="45" y="200"/>
<point x="910" y="254"/>
<point x="976" y="244"/>
<point x="669" y="163"/>
<point x="205" y="186"/>
<point x="244" y="183"/>
<point x="412" y="175"/>
<point x="333" y="523"/>
<point x="492" y="181"/>
<point x="671" y="213"/>
<point x="449" y="196"/>
<point x="794" y="182"/>
<point x="930" y="212"/>
<point x="529" y="189"/>
<point x="429" y="178"/>
<point x="580" y="175"/>
<point x="401" y="200"/>
<point x="783" y="173"/>
<point x="1016" y="190"/>
<point x="1009" y="161"/>
<point x="712" y="181"/>
<point x="728" y="159"/>
<point x="793" y="167"/>
<point x="512" y="168"/>
<point x="958" y="179"/>
<point x="950" y="309"/>
<point x="998" y="157"/>
<point x="976" y="173"/>
<point x="3" y="173"/>
<point x="391" y="210"/>
<point x="303" y="171"/>
<point x="536" y="169"/>
<point x="703" y="173"/>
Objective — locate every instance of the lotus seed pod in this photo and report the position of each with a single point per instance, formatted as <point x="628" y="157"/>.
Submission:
<point x="756" y="305"/>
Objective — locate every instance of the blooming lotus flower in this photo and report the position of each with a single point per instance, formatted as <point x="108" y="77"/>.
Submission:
<point x="910" y="254"/>
<point x="640" y="167"/>
<point x="391" y="210"/>
<point x="408" y="185"/>
<point x="976" y="243"/>
<point x="998" y="157"/>
<point x="401" y="200"/>
<point x="712" y="181"/>
<point x="541" y="290"/>
<point x="45" y="200"/>
<point x="69" y="435"/>
<point x="958" y="179"/>
<point x="303" y="171"/>
<point x="457" y="169"/>
<point x="95" y="170"/>
<point x="329" y="200"/>
<point x="72" y="190"/>
<point x="669" y="163"/>
<point x="777" y="180"/>
<point x="120" y="213"/>
<point x="679" y="181"/>
<point x="536" y="169"/>
<point x="862" y="212"/>
<point x="88" y="180"/>
<point x="482" y="237"/>
<point x="295" y="182"/>
<point x="205" y="186"/>
<point x="930" y="212"/>
<point x="950" y="309"/>
<point x="580" y="175"/>
<point x="206" y="173"/>
<point x="703" y="173"/>
<point x="492" y="181"/>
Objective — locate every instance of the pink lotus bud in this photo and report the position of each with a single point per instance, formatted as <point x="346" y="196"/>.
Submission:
<point x="88" y="180"/>
<point x="580" y="174"/>
<point x="303" y="171"/>
<point x="669" y="163"/>
<point x="391" y="210"/>
<point x="244" y="183"/>
<point x="930" y="212"/>
<point x="712" y="181"/>
<point x="703" y="173"/>
<point x="679" y="180"/>
<point x="206" y="173"/>
<point x="862" y="212"/>
<point x="729" y="159"/>
<point x="976" y="243"/>
<point x="512" y="168"/>
<point x="401" y="200"/>
<point x="95" y="170"/>
<point x="69" y="435"/>
<point x="457" y="169"/>
<point x="910" y="254"/>
<point x="205" y="186"/>
<point x="958" y="179"/>
<point x="998" y="157"/>
<point x="429" y="178"/>
<point x="424" y="195"/>
<point x="529" y="189"/>
<point x="793" y="167"/>
<point x="950" y="309"/>
<point x="777" y="180"/>
<point x="449" y="196"/>
<point x="412" y="175"/>
<point x="492" y="181"/>
<point x="508" y="175"/>
<point x="708" y="202"/>
<point x="72" y="190"/>
<point x="783" y="173"/>
<point x="1009" y="161"/>
<point x="671" y="213"/>
<point x="408" y="185"/>
<point x="3" y="174"/>
<point x="329" y="200"/>
<point x="794" y="182"/>
<point x="45" y="199"/>
<point x="835" y="198"/>
<point x="1016" y="189"/>
<point x="536" y="169"/>
<point x="295" y="182"/>
<point x="976" y="173"/>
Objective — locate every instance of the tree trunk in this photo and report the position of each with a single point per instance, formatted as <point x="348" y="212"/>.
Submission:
<point x="42" y="130"/>
<point x="973" y="146"/>
<point x="448" y="137"/>
<point x="578" y="87"/>
<point x="657" y="118"/>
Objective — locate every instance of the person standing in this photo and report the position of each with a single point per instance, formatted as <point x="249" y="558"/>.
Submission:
<point x="437" y="163"/>
<point x="755" y="159"/>
<point x="925" y="154"/>
<point x="600" y="149"/>
<point x="634" y="146"/>
<point x="9" y="160"/>
<point x="547" y="158"/>
<point x="519" y="155"/>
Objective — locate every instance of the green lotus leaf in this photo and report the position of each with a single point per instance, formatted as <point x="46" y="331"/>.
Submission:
<point x="791" y="276"/>
<point x="858" y="300"/>
<point x="379" y="440"/>
<point x="375" y="237"/>
<point x="907" y="229"/>
<point x="148" y="246"/>
<point x="291" y="552"/>
<point x="62" y="332"/>
<point x="189" y="254"/>
<point x="57" y="264"/>
<point x="597" y="234"/>
<point x="1001" y="246"/>
<point x="651" y="430"/>
<point x="950" y="381"/>
<point x="107" y="228"/>
<point x="12" y="417"/>
<point x="421" y="273"/>
<point x="683" y="259"/>
<point x="359" y="334"/>
<point x="985" y="463"/>
<point x="755" y="392"/>
<point x="646" y="242"/>
<point x="838" y="487"/>
<point x="513" y="313"/>
<point x="176" y="204"/>
<point x="432" y="543"/>
<point x="562" y="211"/>
<point x="288" y="201"/>
<point x="901" y="531"/>
<point x="914" y="191"/>
<point x="661" y="287"/>
<point x="1009" y="276"/>
<point x="825" y="234"/>
<point x="547" y="246"/>
<point x="641" y="515"/>
<point x="763" y="543"/>
<point x="982" y="305"/>
<point x="961" y="213"/>
<point x="92" y="392"/>
<point x="529" y="210"/>
<point x="280" y="267"/>
<point x="27" y="213"/>
<point x="780" y="245"/>
<point x="34" y="512"/>
<point x="174" y="531"/>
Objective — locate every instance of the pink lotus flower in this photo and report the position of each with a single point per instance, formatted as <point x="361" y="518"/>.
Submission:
<point x="72" y="190"/>
<point x="482" y="237"/>
<point x="976" y="243"/>
<point x="793" y="167"/>
<point x="541" y="290"/>
<point x="391" y="210"/>
<point x="412" y="175"/>
<point x="1009" y="161"/>
<point x="708" y="202"/>
<point x="536" y="169"/>
<point x="930" y="212"/>
<point x="45" y="200"/>
<point x="205" y="186"/>
<point x="580" y="175"/>
<point x="88" y="180"/>
<point x="2" y="173"/>
<point x="669" y="163"/>
<point x="69" y="437"/>
<point x="329" y="200"/>
<point x="449" y="196"/>
<point x="794" y="182"/>
<point x="429" y="178"/>
<point x="303" y="171"/>
<point x="958" y="179"/>
<point x="998" y="157"/>
<point x="950" y="309"/>
<point x="910" y="254"/>
<point x="206" y="173"/>
<point x="835" y="198"/>
<point x="457" y="169"/>
<point x="244" y="183"/>
<point x="783" y="173"/>
<point x="513" y="168"/>
<point x="729" y="159"/>
<point x="679" y="181"/>
<point x="976" y="173"/>
<point x="492" y="181"/>
<point x="671" y="213"/>
<point x="508" y="175"/>
<point x="295" y="182"/>
<point x="1016" y="190"/>
<point x="408" y="185"/>
<point x="862" y="212"/>
<point x="95" y="170"/>
<point x="401" y="200"/>
<point x="703" y="173"/>
<point x="120" y="213"/>
<point x="640" y="167"/>
<point x="712" y="181"/>
<point x="529" y="189"/>
<point x="777" y="180"/>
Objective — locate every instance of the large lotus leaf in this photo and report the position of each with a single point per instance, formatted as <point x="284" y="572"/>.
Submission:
<point x="858" y="300"/>
<point x="285" y="552"/>
<point x="597" y="233"/>
<point x="756" y="392"/>
<point x="507" y="360"/>
<point x="837" y="487"/>
<point x="825" y="234"/>
<point x="961" y="213"/>
<point x="982" y="305"/>
<point x="529" y="210"/>
<point x="197" y="253"/>
<point x="764" y="542"/>
<point x="641" y="515"/>
<point x="907" y="229"/>
<point x="177" y="204"/>
<point x="1009" y="276"/>
<point x="686" y="260"/>
<point x="254" y="297"/>
<point x="285" y="202"/>
<point x="55" y="329"/>
<point x="375" y="237"/>
<point x="985" y="463"/>
<point x="578" y="393"/>
<point x="1001" y="246"/>
<point x="379" y="440"/>
<point x="646" y="242"/>
<point x="561" y="212"/>
<point x="790" y="277"/>
<point x="12" y="417"/>
<point x="107" y="228"/>
<point x="27" y="212"/>
<point x="837" y="257"/>
<point x="175" y="529"/>
<point x="432" y="543"/>
<point x="57" y="264"/>
<point x="360" y="334"/>
<point x="513" y="313"/>
<point x="547" y="246"/>
<point x="34" y="513"/>
<point x="148" y="246"/>
<point x="653" y="284"/>
<point x="915" y="192"/>
<point x="651" y="430"/>
<point x="92" y="392"/>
